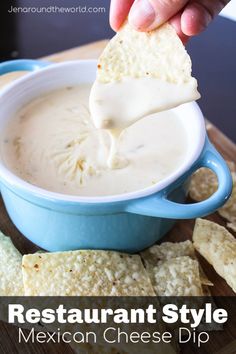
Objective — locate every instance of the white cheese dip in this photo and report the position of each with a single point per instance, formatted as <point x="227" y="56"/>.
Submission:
<point x="52" y="143"/>
<point x="117" y="105"/>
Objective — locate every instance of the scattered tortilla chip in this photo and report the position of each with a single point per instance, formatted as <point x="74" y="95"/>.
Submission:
<point x="11" y="282"/>
<point x="168" y="250"/>
<point x="218" y="247"/>
<point x="204" y="183"/>
<point x="158" y="54"/>
<point x="175" y="277"/>
<point x="85" y="273"/>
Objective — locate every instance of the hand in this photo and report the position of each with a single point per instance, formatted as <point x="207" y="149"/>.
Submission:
<point x="188" y="17"/>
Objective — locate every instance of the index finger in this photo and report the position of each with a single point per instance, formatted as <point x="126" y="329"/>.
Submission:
<point x="119" y="11"/>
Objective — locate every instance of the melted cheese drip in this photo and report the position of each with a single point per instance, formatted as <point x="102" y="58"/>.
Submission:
<point x="117" y="105"/>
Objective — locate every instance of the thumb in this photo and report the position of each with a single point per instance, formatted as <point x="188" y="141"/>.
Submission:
<point x="146" y="15"/>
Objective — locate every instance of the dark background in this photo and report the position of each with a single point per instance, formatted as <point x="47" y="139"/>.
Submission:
<point x="213" y="52"/>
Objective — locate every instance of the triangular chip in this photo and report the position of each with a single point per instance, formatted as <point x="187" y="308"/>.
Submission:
<point x="173" y="269"/>
<point x="169" y="250"/>
<point x="151" y="72"/>
<point x="158" y="54"/>
<point x="85" y="273"/>
<point x="218" y="247"/>
<point x="175" y="277"/>
<point x="11" y="282"/>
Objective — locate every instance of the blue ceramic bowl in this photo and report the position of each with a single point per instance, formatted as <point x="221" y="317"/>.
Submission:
<point x="128" y="222"/>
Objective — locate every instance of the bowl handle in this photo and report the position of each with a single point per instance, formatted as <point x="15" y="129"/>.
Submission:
<point x="158" y="204"/>
<point x="22" y="65"/>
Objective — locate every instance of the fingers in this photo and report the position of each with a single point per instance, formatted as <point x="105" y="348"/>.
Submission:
<point x="176" y="23"/>
<point x="146" y="15"/>
<point x="198" y="13"/>
<point x="119" y="10"/>
<point x="187" y="17"/>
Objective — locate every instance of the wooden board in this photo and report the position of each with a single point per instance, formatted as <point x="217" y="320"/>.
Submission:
<point x="225" y="343"/>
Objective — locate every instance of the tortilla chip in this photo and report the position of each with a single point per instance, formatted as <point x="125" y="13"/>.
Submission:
<point x="11" y="282"/>
<point x="147" y="64"/>
<point x="204" y="183"/>
<point x="168" y="250"/>
<point x="175" y="277"/>
<point x="158" y="54"/>
<point x="85" y="273"/>
<point x="218" y="247"/>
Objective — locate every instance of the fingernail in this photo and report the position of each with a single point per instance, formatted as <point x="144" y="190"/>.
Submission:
<point x="142" y="14"/>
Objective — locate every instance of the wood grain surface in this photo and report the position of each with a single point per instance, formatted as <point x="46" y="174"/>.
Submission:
<point x="225" y="343"/>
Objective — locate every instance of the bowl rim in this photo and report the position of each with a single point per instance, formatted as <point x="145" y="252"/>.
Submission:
<point x="16" y="182"/>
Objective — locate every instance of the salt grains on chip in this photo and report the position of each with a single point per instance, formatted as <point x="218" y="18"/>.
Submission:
<point x="176" y="277"/>
<point x="157" y="54"/>
<point x="169" y="250"/>
<point x="173" y="269"/>
<point x="85" y="273"/>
